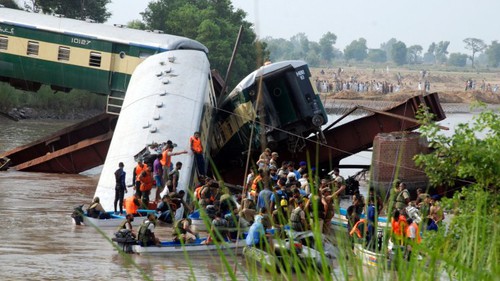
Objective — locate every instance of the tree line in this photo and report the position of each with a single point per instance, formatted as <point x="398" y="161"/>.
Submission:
<point x="215" y="23"/>
<point x="299" y="47"/>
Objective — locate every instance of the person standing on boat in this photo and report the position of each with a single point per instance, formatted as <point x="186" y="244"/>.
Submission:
<point x="120" y="187"/>
<point x="146" y="179"/>
<point x="166" y="159"/>
<point x="173" y="178"/>
<point x="298" y="217"/>
<point x="146" y="234"/>
<point x="197" y="148"/>
<point x="136" y="174"/>
<point x="402" y="197"/>
<point x="158" y="176"/>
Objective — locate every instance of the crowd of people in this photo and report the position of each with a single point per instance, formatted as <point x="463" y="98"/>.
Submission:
<point x="408" y="217"/>
<point x="274" y="196"/>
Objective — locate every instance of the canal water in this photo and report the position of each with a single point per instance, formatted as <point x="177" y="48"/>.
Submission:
<point x="39" y="241"/>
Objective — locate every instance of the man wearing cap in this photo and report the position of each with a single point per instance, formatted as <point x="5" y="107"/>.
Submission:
<point x="298" y="217"/>
<point x="266" y="154"/>
<point x="274" y="159"/>
<point x="302" y="167"/>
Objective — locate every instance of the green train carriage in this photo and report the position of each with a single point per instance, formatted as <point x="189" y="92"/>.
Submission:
<point x="290" y="110"/>
<point x="67" y="54"/>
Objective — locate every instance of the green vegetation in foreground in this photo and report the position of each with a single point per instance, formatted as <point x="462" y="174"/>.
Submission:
<point x="46" y="98"/>
<point x="469" y="250"/>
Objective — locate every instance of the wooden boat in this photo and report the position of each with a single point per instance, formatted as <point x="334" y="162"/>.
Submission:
<point x="113" y="221"/>
<point x="195" y="248"/>
<point x="4" y="163"/>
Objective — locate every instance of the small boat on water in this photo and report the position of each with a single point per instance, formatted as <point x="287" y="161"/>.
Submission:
<point x="80" y="217"/>
<point x="4" y="163"/>
<point x="195" y="248"/>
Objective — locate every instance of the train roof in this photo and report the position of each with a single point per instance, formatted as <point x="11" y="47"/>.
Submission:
<point x="98" y="31"/>
<point x="250" y="79"/>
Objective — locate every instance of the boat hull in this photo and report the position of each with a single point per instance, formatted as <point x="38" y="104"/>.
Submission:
<point x="195" y="248"/>
<point x="114" y="220"/>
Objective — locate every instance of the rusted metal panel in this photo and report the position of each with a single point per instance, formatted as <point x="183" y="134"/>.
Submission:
<point x="353" y="137"/>
<point x="66" y="137"/>
<point x="72" y="159"/>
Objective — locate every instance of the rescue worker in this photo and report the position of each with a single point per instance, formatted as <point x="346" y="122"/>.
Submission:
<point x="197" y="148"/>
<point x="96" y="210"/>
<point x="127" y="224"/>
<point x="120" y="188"/>
<point x="136" y="174"/>
<point x="298" y="217"/>
<point x="146" y="234"/>
<point x="402" y="197"/>
<point x="132" y="205"/>
<point x="146" y="179"/>
<point x="183" y="232"/>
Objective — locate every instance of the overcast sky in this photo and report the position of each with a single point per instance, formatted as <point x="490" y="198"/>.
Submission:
<point x="413" y="22"/>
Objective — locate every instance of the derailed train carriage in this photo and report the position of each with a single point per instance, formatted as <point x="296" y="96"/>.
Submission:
<point x="278" y="102"/>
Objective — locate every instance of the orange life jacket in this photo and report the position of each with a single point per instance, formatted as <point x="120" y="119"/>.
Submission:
<point x="165" y="158"/>
<point x="130" y="206"/>
<point x="139" y="169"/>
<point x="355" y="229"/>
<point x="418" y="238"/>
<point x="146" y="181"/>
<point x="196" y="144"/>
<point x="197" y="192"/>
<point x="255" y="189"/>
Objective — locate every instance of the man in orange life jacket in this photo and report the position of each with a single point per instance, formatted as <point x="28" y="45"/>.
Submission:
<point x="136" y="174"/>
<point x="197" y="148"/>
<point x="147" y="181"/>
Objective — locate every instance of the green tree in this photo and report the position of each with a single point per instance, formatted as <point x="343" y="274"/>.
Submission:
<point x="493" y="53"/>
<point x="430" y="55"/>
<point x="441" y="51"/>
<point x="377" y="55"/>
<point x="326" y="46"/>
<point x="300" y="44"/>
<point x="136" y="24"/>
<point x="457" y="59"/>
<point x="469" y="157"/>
<point x="387" y="47"/>
<point x="414" y="52"/>
<point x="475" y="45"/>
<point x="399" y="53"/>
<point x="357" y="50"/>
<point x="216" y="25"/>
<point x="74" y="9"/>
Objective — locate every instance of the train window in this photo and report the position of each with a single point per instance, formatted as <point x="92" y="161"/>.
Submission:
<point x="33" y="48"/>
<point x="95" y="59"/>
<point x="4" y="43"/>
<point x="63" y="53"/>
